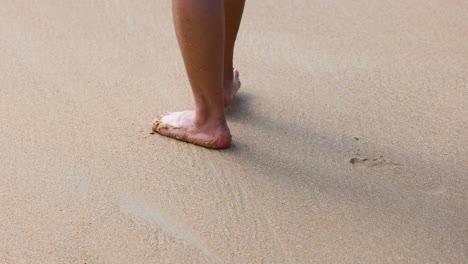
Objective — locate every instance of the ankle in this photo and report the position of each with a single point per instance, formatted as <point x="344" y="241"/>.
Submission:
<point x="203" y="118"/>
<point x="228" y="74"/>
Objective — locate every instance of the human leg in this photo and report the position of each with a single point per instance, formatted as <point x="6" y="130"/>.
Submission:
<point x="199" y="26"/>
<point x="233" y="10"/>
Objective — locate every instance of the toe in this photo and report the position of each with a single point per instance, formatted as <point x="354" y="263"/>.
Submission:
<point x="156" y="124"/>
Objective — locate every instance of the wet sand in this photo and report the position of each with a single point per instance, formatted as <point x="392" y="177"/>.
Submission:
<point x="350" y="136"/>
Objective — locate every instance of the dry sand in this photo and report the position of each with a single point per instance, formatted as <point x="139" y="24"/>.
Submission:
<point x="380" y="83"/>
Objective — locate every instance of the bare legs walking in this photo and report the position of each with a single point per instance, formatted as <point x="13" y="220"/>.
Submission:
<point x="206" y="31"/>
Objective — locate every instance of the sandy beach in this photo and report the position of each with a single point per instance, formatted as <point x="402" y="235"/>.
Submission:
<point x="349" y="136"/>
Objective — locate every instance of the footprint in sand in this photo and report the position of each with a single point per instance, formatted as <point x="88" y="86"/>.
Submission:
<point x="370" y="161"/>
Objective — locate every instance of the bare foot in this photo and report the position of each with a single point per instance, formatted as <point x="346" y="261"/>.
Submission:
<point x="231" y="88"/>
<point x="182" y="126"/>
